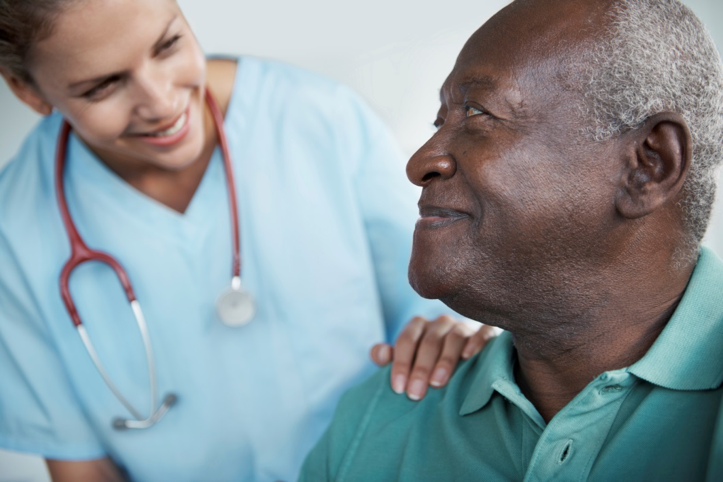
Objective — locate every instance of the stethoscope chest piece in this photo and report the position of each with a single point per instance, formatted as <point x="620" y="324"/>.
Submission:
<point x="236" y="306"/>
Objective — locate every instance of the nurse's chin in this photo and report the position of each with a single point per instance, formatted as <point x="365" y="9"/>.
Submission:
<point x="175" y="159"/>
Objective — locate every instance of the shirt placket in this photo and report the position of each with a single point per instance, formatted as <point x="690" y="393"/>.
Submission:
<point x="572" y="440"/>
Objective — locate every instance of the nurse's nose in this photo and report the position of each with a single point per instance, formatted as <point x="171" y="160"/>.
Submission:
<point x="432" y="161"/>
<point x="157" y="99"/>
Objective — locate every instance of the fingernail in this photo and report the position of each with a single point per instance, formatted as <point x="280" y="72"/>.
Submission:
<point x="440" y="374"/>
<point x="466" y="354"/>
<point x="385" y="353"/>
<point x="415" y="389"/>
<point x="398" y="383"/>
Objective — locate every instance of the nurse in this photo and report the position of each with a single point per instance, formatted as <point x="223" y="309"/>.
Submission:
<point x="323" y="236"/>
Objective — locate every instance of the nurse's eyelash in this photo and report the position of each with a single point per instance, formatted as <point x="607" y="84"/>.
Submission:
<point x="168" y="44"/>
<point x="98" y="92"/>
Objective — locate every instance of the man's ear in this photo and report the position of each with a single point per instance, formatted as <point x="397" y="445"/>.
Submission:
<point x="660" y="154"/>
<point x="27" y="93"/>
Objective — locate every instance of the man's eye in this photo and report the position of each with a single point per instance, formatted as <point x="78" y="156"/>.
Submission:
<point x="472" y="111"/>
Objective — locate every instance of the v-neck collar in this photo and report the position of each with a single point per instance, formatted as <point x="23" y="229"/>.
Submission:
<point x="84" y="165"/>
<point x="211" y="192"/>
<point x="147" y="214"/>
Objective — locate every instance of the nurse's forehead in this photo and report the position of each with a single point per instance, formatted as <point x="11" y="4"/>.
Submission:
<point x="94" y="38"/>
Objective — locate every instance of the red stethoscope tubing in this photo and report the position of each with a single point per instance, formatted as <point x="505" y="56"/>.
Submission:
<point x="230" y="183"/>
<point x="80" y="252"/>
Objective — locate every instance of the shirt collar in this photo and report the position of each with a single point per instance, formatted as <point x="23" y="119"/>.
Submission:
<point x="688" y="354"/>
<point x="494" y="364"/>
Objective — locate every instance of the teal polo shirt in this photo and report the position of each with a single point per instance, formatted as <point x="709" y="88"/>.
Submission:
<point x="659" y="419"/>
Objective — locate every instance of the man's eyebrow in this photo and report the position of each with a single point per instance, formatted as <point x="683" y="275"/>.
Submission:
<point x="485" y="82"/>
<point x="157" y="44"/>
<point x="509" y="99"/>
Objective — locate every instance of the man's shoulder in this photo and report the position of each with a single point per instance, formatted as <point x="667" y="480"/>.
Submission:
<point x="373" y="402"/>
<point x="371" y="416"/>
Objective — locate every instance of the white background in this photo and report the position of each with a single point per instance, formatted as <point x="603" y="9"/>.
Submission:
<point x="396" y="53"/>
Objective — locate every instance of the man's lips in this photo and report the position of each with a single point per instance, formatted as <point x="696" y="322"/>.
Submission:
<point x="437" y="217"/>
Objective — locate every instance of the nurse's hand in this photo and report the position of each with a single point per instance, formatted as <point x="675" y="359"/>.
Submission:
<point x="426" y="352"/>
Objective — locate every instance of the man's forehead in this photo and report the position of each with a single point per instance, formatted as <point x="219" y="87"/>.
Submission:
<point x="487" y="75"/>
<point x="528" y="40"/>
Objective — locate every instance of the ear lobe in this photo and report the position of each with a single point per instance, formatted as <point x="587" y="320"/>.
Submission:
<point x="28" y="94"/>
<point x="657" y="167"/>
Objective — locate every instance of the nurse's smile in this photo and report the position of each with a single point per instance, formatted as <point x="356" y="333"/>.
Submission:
<point x="170" y="134"/>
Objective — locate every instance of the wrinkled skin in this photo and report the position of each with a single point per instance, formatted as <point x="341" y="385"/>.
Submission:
<point x="529" y="226"/>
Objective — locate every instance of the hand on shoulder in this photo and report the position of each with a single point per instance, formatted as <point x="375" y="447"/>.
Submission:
<point x="427" y="352"/>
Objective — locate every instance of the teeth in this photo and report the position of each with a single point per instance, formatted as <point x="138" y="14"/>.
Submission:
<point x="173" y="129"/>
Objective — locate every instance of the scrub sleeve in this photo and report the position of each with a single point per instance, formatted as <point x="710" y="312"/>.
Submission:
<point x="39" y="412"/>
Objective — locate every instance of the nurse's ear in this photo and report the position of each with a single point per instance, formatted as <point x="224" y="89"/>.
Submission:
<point x="27" y="93"/>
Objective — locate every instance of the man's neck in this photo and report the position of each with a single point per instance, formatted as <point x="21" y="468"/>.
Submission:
<point x="553" y="368"/>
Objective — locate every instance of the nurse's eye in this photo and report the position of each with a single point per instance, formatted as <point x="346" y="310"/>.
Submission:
<point x="168" y="44"/>
<point x="471" y="111"/>
<point x="102" y="90"/>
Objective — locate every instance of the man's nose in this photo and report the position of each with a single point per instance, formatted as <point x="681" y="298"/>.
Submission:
<point x="430" y="162"/>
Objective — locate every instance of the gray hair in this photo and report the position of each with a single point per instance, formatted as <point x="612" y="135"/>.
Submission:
<point x="657" y="56"/>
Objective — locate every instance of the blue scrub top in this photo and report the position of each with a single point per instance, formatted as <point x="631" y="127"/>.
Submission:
<point x="326" y="223"/>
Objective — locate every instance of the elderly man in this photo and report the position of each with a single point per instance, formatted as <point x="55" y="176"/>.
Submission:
<point x="564" y="198"/>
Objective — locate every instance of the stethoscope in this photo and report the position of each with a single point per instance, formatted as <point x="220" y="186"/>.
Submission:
<point x="235" y="306"/>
